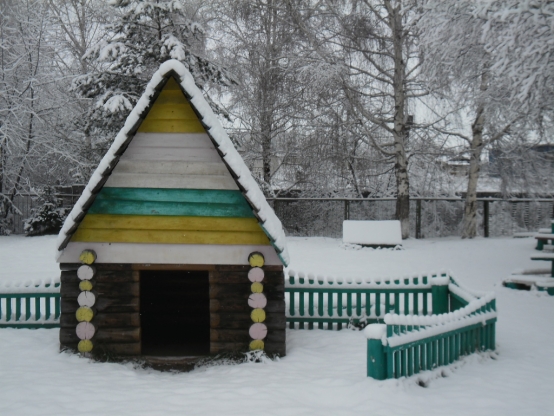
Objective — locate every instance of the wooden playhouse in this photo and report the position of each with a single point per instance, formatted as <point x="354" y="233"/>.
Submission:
<point x="172" y="249"/>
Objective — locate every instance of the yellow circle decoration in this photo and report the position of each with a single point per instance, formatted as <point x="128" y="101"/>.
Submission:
<point x="256" y="259"/>
<point x="257" y="287"/>
<point x="257" y="344"/>
<point x="257" y="315"/>
<point x="85" y="345"/>
<point x="85" y="314"/>
<point x="85" y="285"/>
<point x="87" y="257"/>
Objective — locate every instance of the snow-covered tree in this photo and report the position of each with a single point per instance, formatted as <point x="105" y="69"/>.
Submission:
<point x="146" y="33"/>
<point x="460" y="65"/>
<point x="370" y="48"/>
<point x="30" y="154"/>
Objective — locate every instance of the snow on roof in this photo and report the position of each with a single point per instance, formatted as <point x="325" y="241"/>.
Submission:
<point x="250" y="189"/>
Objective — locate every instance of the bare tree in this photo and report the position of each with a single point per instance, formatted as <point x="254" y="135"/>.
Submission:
<point x="372" y="47"/>
<point x="460" y="63"/>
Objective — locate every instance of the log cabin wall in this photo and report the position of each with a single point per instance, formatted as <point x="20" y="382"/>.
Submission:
<point x="117" y="308"/>
<point x="230" y="313"/>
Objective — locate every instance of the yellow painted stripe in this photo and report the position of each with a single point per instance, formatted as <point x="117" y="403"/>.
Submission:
<point x="170" y="237"/>
<point x="150" y="222"/>
<point x="171" y="111"/>
<point x="171" y="126"/>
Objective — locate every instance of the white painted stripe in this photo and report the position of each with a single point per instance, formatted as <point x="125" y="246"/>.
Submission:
<point x="171" y="168"/>
<point x="168" y="253"/>
<point x="184" y="154"/>
<point x="150" y="180"/>
<point x="171" y="140"/>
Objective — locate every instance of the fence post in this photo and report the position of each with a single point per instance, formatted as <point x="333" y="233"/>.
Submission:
<point x="376" y="361"/>
<point x="346" y="209"/>
<point x="486" y="217"/>
<point x="418" y="219"/>
<point x="439" y="293"/>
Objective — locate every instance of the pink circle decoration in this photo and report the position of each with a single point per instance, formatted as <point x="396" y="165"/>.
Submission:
<point x="86" y="299"/>
<point x="258" y="331"/>
<point x="85" y="330"/>
<point x="256" y="274"/>
<point x="257" y="300"/>
<point x="85" y="272"/>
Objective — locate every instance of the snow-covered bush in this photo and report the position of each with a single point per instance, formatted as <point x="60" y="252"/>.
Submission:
<point x="47" y="218"/>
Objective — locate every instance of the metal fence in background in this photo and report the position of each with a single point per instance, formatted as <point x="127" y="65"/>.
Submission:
<point x="429" y="217"/>
<point x="26" y="202"/>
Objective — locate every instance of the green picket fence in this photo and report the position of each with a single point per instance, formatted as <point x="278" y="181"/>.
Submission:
<point x="407" y="345"/>
<point x="329" y="303"/>
<point x="30" y="306"/>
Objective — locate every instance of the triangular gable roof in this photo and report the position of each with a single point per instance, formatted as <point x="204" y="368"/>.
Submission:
<point x="238" y="169"/>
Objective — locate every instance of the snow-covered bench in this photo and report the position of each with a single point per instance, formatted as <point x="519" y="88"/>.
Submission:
<point x="372" y="233"/>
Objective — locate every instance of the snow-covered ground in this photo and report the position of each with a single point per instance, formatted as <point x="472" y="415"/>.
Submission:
<point x="324" y="371"/>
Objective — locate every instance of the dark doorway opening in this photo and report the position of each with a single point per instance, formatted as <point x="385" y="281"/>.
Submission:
<point x="175" y="313"/>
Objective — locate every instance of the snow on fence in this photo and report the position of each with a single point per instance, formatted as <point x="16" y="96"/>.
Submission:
<point x="330" y="303"/>
<point x="30" y="305"/>
<point x="406" y="345"/>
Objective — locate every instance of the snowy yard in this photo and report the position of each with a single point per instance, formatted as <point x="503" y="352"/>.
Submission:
<point x="324" y="371"/>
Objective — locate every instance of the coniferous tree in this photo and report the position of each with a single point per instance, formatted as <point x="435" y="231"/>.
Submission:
<point x="147" y="33"/>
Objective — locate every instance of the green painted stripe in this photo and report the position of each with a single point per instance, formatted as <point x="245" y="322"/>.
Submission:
<point x="174" y="202"/>
<point x="211" y="196"/>
<point x="126" y="207"/>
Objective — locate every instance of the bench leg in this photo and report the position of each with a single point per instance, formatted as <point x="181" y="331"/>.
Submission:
<point x="540" y="244"/>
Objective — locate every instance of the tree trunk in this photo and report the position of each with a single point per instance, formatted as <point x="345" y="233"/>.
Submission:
<point x="400" y="132"/>
<point x="469" y="227"/>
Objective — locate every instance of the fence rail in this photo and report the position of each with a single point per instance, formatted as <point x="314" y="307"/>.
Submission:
<point x="30" y="306"/>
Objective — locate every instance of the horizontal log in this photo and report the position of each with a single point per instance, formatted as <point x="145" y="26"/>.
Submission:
<point x="229" y="335"/>
<point x="104" y="320"/>
<point x="243" y="320"/>
<point x="117" y="320"/>
<point x="243" y="290"/>
<point x="117" y="305"/>
<point x="105" y="335"/>
<point x="238" y="277"/>
<point x="117" y="335"/>
<point x="217" y="347"/>
<point x="99" y="266"/>
<point x="111" y="289"/>
<point x="247" y="267"/>
<point x="273" y="348"/>
<point x="241" y="305"/>
<point x="69" y="305"/>
<point x="141" y="254"/>
<point x="103" y="304"/>
<point x="102" y="275"/>
<point x="276" y="336"/>
<point x="119" y="349"/>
